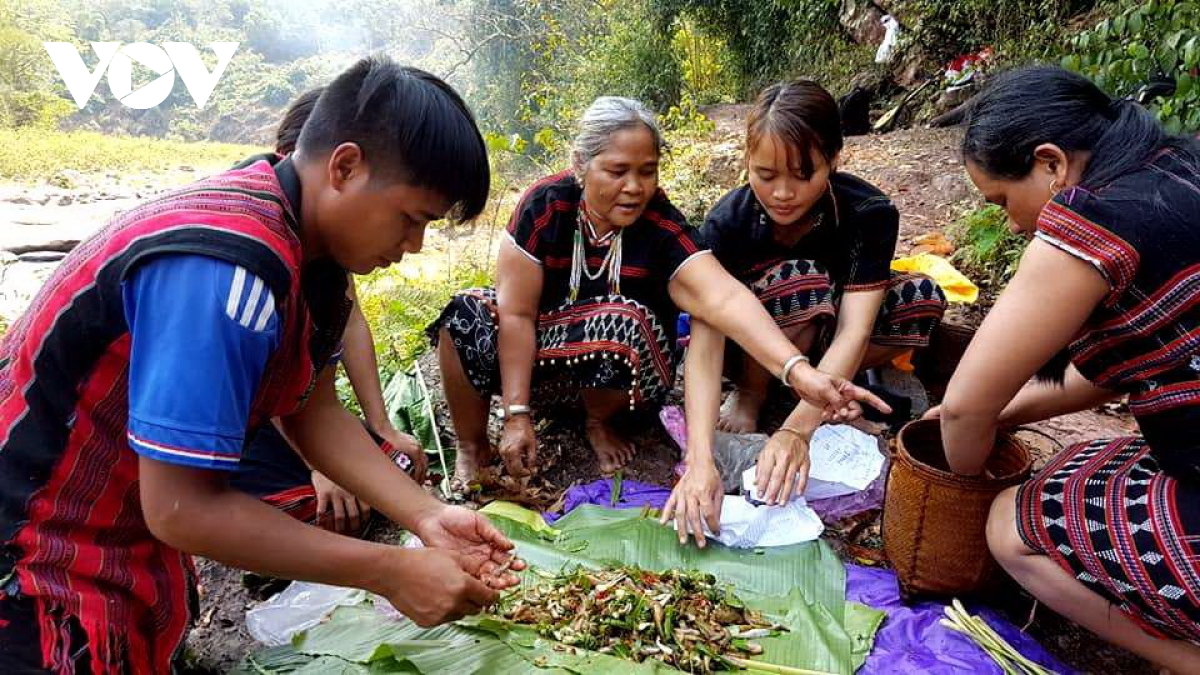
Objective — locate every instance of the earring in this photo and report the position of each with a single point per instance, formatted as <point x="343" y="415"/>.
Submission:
<point x="1054" y="187"/>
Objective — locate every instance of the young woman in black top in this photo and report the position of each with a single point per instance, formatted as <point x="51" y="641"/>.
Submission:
<point x="815" y="246"/>
<point x="597" y="265"/>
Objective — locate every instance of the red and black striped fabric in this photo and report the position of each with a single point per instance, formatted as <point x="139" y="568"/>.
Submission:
<point x="1141" y="233"/>
<point x="605" y="342"/>
<point x="1123" y="515"/>
<point x="1105" y="512"/>
<point x="76" y="542"/>
<point x="653" y="248"/>
<point x="798" y="292"/>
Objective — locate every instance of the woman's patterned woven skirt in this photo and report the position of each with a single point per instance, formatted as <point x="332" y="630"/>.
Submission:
<point x="797" y="292"/>
<point x="1105" y="513"/>
<point x="605" y="342"/>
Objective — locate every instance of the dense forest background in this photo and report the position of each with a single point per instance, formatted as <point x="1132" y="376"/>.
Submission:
<point x="528" y="66"/>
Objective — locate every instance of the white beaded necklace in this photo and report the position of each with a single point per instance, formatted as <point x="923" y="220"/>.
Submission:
<point x="611" y="262"/>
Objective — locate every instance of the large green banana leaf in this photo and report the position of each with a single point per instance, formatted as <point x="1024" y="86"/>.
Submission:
<point x="801" y="587"/>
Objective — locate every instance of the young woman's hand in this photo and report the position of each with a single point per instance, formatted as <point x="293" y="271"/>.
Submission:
<point x="838" y="397"/>
<point x="696" y="501"/>
<point x="782" y="470"/>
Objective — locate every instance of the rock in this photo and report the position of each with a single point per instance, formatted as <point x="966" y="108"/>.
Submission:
<point x="863" y="20"/>
<point x="909" y="70"/>
<point x="855" y="109"/>
<point x="187" y="168"/>
<point x="66" y="200"/>
<point x="932" y="242"/>
<point x="19" y="282"/>
<point x="22" y="201"/>
<point x="948" y="100"/>
<point x="724" y="165"/>
<point x="41" y="257"/>
<point x="55" y="245"/>
<point x="950" y="187"/>
<point x="68" y="179"/>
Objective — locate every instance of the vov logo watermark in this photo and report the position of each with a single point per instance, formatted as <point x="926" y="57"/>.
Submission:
<point x="117" y="60"/>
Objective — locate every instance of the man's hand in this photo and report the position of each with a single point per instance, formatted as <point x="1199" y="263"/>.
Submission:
<point x="474" y="539"/>
<point x="348" y="513"/>
<point x="432" y="586"/>
<point x="406" y="444"/>
<point x="783" y="467"/>
<point x="695" y="501"/>
<point x="518" y="446"/>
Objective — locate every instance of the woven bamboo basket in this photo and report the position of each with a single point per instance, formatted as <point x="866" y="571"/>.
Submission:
<point x="934" y="521"/>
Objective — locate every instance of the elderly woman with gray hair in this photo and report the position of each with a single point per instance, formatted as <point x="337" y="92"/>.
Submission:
<point x="595" y="270"/>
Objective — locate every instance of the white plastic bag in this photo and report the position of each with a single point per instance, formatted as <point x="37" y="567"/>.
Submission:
<point x="890" y="38"/>
<point x="733" y="454"/>
<point x="843" y="460"/>
<point x="304" y="604"/>
<point x="745" y="525"/>
<point x="296" y="608"/>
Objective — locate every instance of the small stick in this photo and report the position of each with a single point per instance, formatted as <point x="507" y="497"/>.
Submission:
<point x="771" y="667"/>
<point x="504" y="568"/>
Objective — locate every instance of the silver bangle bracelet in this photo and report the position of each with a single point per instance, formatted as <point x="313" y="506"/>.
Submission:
<point x="787" y="367"/>
<point x="506" y="412"/>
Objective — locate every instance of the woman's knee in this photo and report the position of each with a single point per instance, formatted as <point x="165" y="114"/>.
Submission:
<point x="1003" y="539"/>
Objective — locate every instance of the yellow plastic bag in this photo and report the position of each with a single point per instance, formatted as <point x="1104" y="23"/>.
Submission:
<point x="957" y="286"/>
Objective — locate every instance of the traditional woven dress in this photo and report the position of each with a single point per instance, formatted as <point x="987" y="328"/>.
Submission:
<point x="615" y="331"/>
<point x="1123" y="515"/>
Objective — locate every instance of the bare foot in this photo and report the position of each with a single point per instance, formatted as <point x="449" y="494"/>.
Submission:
<point x="468" y="461"/>
<point x="739" y="414"/>
<point x="611" y="449"/>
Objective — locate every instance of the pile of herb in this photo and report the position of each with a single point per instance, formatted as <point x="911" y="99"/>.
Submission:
<point x="685" y="619"/>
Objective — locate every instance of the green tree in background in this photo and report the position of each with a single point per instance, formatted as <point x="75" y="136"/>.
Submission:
<point x="26" y="73"/>
<point x="1147" y="41"/>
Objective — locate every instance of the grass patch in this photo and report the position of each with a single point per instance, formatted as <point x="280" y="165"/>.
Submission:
<point x="32" y="154"/>
<point x="987" y="250"/>
<point x="398" y="307"/>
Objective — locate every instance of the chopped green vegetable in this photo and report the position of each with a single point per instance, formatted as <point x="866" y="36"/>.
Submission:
<point x="684" y="619"/>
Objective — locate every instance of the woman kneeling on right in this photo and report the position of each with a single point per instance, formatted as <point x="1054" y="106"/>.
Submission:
<point x="1111" y="285"/>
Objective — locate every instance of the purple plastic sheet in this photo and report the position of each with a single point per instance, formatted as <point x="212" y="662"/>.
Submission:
<point x="633" y="495"/>
<point x="837" y="508"/>
<point x="911" y="639"/>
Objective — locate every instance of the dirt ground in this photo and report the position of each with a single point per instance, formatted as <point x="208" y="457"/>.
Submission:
<point x="921" y="171"/>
